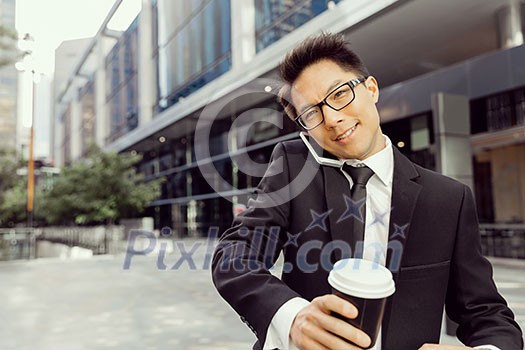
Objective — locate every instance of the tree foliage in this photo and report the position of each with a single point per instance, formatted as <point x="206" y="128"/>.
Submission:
<point x="99" y="189"/>
<point x="9" y="164"/>
<point x="13" y="206"/>
<point x="12" y="189"/>
<point x="102" y="188"/>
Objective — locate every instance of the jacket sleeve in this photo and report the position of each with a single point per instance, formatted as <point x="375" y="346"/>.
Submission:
<point x="246" y="251"/>
<point x="472" y="298"/>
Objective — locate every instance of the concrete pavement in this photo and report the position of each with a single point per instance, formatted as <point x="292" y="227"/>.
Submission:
<point x="96" y="303"/>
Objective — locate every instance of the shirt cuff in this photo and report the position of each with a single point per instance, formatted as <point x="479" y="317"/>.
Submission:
<point x="278" y="335"/>
<point x="487" y="347"/>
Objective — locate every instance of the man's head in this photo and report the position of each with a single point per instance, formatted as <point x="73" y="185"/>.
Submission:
<point x="323" y="71"/>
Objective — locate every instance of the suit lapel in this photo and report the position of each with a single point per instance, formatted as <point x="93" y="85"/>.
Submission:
<point x="405" y="193"/>
<point x="404" y="197"/>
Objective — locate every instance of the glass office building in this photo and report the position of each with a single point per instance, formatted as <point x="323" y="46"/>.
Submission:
<point x="87" y="102"/>
<point x="8" y="81"/>
<point x="122" y="83"/>
<point x="452" y="97"/>
<point x="65" y="119"/>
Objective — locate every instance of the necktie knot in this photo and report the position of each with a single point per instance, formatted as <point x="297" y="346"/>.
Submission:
<point x="359" y="175"/>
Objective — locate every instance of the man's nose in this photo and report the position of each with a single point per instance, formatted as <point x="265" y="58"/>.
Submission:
<point x="331" y="117"/>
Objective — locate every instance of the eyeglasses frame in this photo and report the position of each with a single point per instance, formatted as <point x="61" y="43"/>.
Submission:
<point x="352" y="84"/>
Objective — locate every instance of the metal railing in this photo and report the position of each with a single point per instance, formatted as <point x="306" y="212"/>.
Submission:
<point x="99" y="239"/>
<point x="16" y="244"/>
<point x="497" y="240"/>
<point x="503" y="240"/>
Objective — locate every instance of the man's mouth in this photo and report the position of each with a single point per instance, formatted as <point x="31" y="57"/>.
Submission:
<point x="346" y="134"/>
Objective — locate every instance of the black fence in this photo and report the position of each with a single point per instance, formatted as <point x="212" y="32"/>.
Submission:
<point x="503" y="240"/>
<point x="99" y="239"/>
<point x="497" y="240"/>
<point x="17" y="244"/>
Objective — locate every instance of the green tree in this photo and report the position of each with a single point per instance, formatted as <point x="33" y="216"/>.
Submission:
<point x="12" y="189"/>
<point x="102" y="188"/>
<point x="13" y="206"/>
<point x="9" y="53"/>
<point x="9" y="163"/>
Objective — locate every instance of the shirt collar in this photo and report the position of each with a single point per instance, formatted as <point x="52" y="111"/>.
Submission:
<point x="381" y="163"/>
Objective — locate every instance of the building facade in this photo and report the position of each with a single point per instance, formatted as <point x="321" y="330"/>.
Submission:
<point x="66" y="58"/>
<point x="8" y="84"/>
<point x="191" y="86"/>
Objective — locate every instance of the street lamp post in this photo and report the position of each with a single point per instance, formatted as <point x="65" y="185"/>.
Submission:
<point x="31" y="161"/>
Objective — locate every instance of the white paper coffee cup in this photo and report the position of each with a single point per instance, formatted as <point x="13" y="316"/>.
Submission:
<point x="366" y="285"/>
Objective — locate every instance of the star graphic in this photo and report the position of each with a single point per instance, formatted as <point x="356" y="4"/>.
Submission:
<point x="292" y="239"/>
<point x="353" y="208"/>
<point x="318" y="220"/>
<point x="400" y="231"/>
<point x="378" y="217"/>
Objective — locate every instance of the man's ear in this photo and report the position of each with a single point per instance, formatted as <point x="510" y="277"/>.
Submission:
<point x="372" y="87"/>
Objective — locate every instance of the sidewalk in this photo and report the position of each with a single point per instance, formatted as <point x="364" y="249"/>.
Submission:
<point x="95" y="303"/>
<point x="53" y="304"/>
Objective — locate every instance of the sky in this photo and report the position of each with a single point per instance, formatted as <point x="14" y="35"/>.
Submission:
<point x="50" y="22"/>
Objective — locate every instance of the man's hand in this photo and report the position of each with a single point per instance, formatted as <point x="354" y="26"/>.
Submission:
<point x="443" y="347"/>
<point x="314" y="328"/>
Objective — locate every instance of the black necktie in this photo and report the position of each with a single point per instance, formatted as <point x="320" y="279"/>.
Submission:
<point x="360" y="177"/>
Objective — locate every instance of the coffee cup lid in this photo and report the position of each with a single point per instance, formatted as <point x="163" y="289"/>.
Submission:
<point x="362" y="279"/>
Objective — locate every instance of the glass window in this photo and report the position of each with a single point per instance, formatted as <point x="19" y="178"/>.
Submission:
<point x="122" y="83"/>
<point x="414" y="137"/>
<point x="178" y="184"/>
<point x="276" y="18"/>
<point x="225" y="25"/>
<point x="498" y="112"/>
<point x="519" y="98"/>
<point x="199" y="185"/>
<point x="165" y="162"/>
<point x="208" y="17"/>
<point x="87" y="100"/>
<point x="195" y="50"/>
<point x="195" y="39"/>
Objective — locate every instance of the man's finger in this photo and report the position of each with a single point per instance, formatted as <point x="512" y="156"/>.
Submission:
<point x="338" y="327"/>
<point x="333" y="303"/>
<point x="319" y="336"/>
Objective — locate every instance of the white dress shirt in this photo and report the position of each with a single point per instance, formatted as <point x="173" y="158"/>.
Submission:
<point x="377" y="220"/>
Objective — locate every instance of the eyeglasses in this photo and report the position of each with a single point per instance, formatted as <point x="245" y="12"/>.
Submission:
<point x="338" y="99"/>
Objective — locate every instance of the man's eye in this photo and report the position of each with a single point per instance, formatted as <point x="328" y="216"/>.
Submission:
<point x="341" y="93"/>
<point x="309" y="115"/>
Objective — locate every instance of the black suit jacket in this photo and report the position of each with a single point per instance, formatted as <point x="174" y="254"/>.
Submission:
<point x="434" y="252"/>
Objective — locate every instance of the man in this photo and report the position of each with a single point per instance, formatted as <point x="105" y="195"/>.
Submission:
<point x="418" y="223"/>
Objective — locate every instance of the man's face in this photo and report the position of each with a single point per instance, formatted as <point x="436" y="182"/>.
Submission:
<point x="352" y="132"/>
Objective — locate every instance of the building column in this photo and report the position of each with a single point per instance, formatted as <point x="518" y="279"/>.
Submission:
<point x="451" y="115"/>
<point x="510" y="24"/>
<point x="243" y="32"/>
<point x="58" y="134"/>
<point x="101" y="115"/>
<point x="146" y="62"/>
